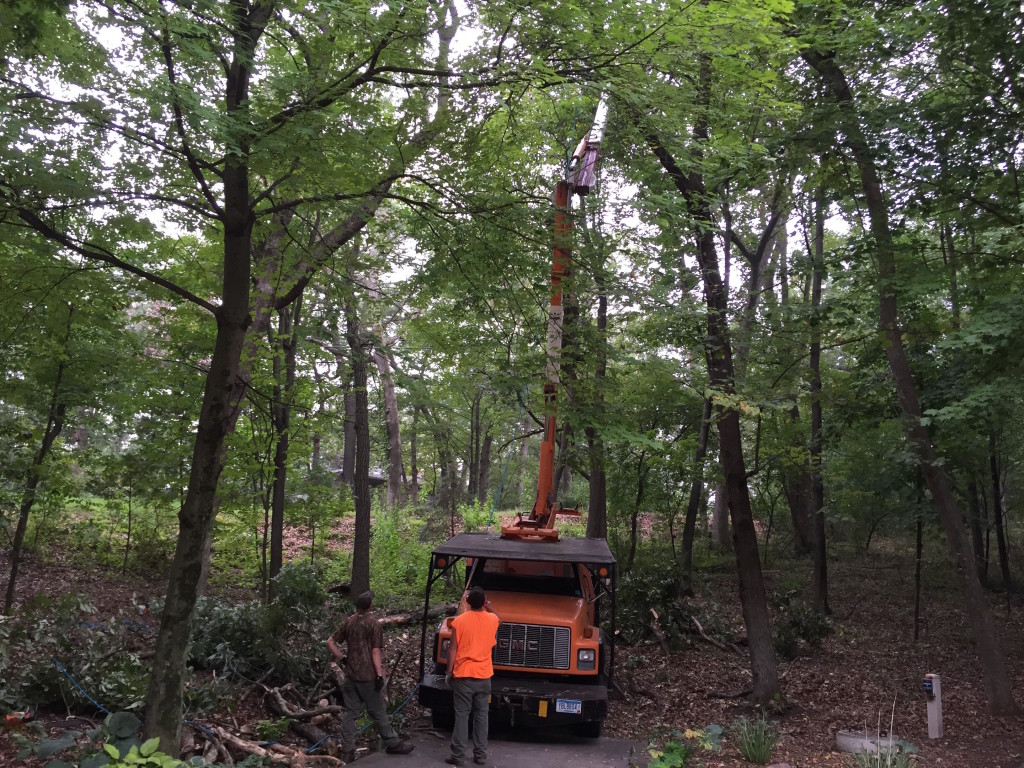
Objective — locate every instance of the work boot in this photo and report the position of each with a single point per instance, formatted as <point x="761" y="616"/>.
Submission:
<point x="401" y="748"/>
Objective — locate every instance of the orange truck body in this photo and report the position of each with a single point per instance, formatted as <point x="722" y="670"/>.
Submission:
<point x="554" y="658"/>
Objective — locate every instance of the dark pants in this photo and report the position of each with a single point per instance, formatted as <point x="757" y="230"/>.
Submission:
<point x="355" y="694"/>
<point x="470" y="695"/>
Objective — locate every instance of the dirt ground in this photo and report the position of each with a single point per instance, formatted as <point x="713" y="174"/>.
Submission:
<point x="868" y="671"/>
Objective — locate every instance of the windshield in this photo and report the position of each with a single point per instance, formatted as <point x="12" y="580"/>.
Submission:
<point x="525" y="576"/>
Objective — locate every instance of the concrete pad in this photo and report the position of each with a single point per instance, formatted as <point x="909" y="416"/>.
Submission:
<point x="519" y="748"/>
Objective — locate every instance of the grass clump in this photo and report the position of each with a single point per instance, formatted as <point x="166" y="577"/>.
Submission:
<point x="884" y="758"/>
<point x="756" y="738"/>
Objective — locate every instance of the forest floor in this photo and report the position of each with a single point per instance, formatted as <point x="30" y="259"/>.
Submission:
<point x="868" y="672"/>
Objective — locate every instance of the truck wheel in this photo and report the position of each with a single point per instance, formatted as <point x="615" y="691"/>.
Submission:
<point x="442" y="718"/>
<point x="591" y="729"/>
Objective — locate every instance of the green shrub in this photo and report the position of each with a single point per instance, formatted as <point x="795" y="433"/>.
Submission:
<point x="798" y="627"/>
<point x="283" y="639"/>
<point x="399" y="561"/>
<point x="115" y="745"/>
<point x="755" y="739"/>
<point x="272" y="730"/>
<point x="475" y="516"/>
<point x="675" y="748"/>
<point x="93" y="650"/>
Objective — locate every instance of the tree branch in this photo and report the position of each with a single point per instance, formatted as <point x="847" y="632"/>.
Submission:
<point x="98" y="253"/>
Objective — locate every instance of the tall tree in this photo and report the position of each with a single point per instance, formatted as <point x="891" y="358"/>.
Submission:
<point x="221" y="131"/>
<point x="996" y="679"/>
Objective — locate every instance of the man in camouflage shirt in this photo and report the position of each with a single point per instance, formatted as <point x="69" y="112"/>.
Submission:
<point x="364" y="678"/>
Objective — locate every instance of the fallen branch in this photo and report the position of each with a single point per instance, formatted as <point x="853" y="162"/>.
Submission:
<point x="249" y="747"/>
<point x="282" y="708"/>
<point x="713" y="641"/>
<point x="311" y="733"/>
<point x="401" y="619"/>
<point x="277" y="753"/>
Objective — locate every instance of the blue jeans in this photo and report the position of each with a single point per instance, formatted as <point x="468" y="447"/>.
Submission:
<point x="470" y="696"/>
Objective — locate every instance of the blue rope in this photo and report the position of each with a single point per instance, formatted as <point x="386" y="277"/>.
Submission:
<point x="81" y="690"/>
<point x="338" y="735"/>
<point x="508" y="461"/>
<point x="199" y="727"/>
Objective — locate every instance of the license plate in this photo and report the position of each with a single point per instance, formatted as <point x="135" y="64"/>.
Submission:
<point x="569" y="706"/>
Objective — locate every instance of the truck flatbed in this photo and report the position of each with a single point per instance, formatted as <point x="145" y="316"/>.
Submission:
<point x="491" y="545"/>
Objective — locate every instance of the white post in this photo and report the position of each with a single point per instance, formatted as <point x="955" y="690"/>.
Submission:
<point x="933" y="688"/>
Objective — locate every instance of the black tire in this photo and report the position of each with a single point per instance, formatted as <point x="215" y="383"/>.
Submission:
<point x="591" y="729"/>
<point x="442" y="718"/>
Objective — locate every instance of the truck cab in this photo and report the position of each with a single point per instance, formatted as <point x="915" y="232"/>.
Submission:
<point x="554" y="655"/>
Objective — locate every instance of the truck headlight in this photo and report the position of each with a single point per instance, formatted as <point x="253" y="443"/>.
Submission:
<point x="585" y="658"/>
<point x="443" y="652"/>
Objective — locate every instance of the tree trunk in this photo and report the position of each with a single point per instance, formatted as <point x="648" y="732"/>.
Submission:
<point x="720" y="538"/>
<point x="414" y="468"/>
<point x="393" y="424"/>
<point x="796" y="486"/>
<point x="995" y="674"/>
<point x="348" y="452"/>
<point x="997" y="512"/>
<point x="360" y="581"/>
<point x="484" y="465"/>
<point x="524" y="455"/>
<point x="977" y="524"/>
<point x="693" y="503"/>
<point x="474" y="445"/>
<point x="764" y="666"/>
<point x="641" y="480"/>
<point x="918" y="556"/>
<point x="54" y="424"/>
<point x="219" y="412"/>
<point x="597" y="503"/>
<point x="817" y="496"/>
<point x="281" y="412"/>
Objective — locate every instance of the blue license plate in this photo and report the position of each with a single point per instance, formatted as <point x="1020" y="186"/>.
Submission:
<point x="569" y="706"/>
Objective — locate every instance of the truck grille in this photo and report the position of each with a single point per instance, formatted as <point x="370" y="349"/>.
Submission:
<point x="532" y="645"/>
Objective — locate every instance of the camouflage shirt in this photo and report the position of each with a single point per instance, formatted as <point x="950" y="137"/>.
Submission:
<point x="363" y="633"/>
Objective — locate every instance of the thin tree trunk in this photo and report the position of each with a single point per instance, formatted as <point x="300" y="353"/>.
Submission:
<point x="693" y="504"/>
<point x="484" y="465"/>
<point x="414" y="468"/>
<point x="281" y="413"/>
<point x="995" y="673"/>
<point x="764" y="665"/>
<point x="817" y="495"/>
<point x="796" y="486"/>
<point x="474" y="445"/>
<point x="348" y="455"/>
<point x="360" y="581"/>
<point x="918" y="556"/>
<point x="641" y="480"/>
<point x="524" y="455"/>
<point x="997" y="512"/>
<point x="597" y="503"/>
<point x="54" y="424"/>
<point x="974" y="516"/>
<point x="393" y="424"/>
<point x="128" y="536"/>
